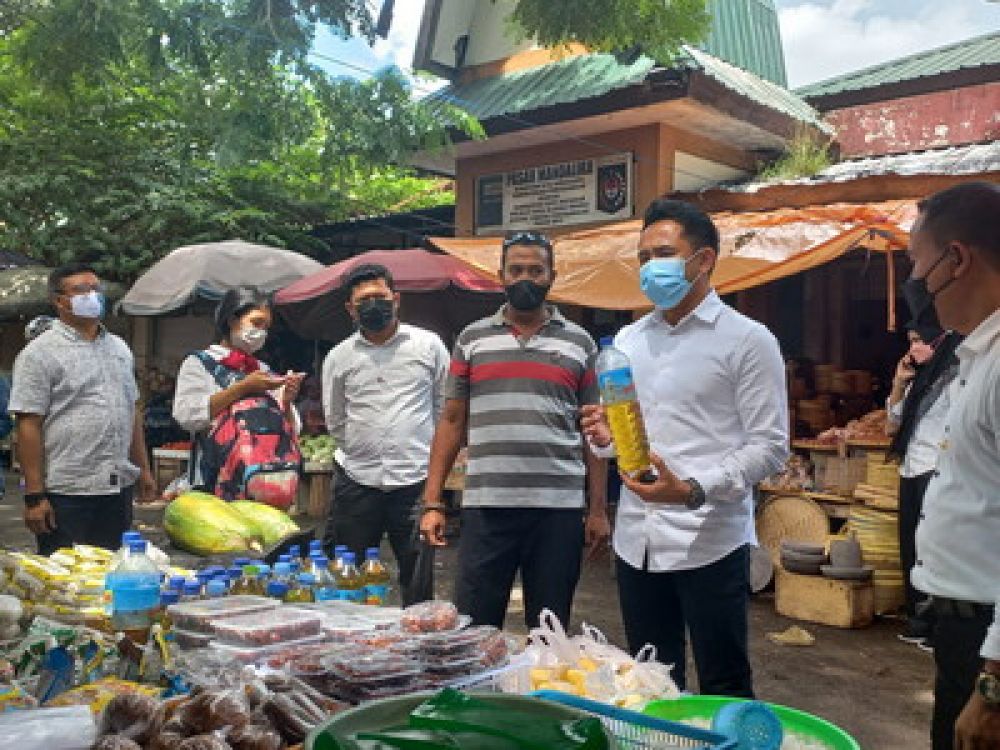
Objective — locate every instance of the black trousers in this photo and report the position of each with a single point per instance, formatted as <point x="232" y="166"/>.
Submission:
<point x="710" y="603"/>
<point x="546" y="544"/>
<point x="361" y="515"/>
<point x="97" y="520"/>
<point x="957" y="642"/>
<point x="911" y="504"/>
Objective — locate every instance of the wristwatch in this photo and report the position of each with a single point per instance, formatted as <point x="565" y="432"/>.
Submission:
<point x="697" y="497"/>
<point x="31" y="499"/>
<point x="988" y="686"/>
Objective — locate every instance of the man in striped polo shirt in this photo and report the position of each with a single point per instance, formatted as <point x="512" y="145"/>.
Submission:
<point x="514" y="392"/>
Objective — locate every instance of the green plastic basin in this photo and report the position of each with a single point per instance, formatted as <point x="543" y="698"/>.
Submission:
<point x="394" y="712"/>
<point x="704" y="707"/>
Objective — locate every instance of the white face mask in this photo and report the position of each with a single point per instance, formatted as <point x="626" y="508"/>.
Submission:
<point x="89" y="305"/>
<point x="249" y="339"/>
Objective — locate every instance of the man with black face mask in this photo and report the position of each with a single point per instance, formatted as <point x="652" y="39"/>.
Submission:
<point x="515" y="388"/>
<point x="383" y="390"/>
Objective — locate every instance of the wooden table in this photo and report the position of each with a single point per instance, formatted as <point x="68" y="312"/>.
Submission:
<point x="316" y="488"/>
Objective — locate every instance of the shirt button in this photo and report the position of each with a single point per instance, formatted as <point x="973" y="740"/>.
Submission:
<point x="962" y="382"/>
<point x="920" y="563"/>
<point x="922" y="516"/>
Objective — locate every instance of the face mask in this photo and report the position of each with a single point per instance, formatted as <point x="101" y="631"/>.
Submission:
<point x="250" y="339"/>
<point x="663" y="281"/>
<point x="526" y="295"/>
<point x="921" y="353"/>
<point x="376" y="315"/>
<point x="89" y="305"/>
<point x="920" y="299"/>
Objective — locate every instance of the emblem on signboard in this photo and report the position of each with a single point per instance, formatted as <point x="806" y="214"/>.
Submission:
<point x="612" y="188"/>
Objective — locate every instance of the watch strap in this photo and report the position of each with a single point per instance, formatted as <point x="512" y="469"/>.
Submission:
<point x="697" y="497"/>
<point x="31" y="499"/>
<point x="988" y="686"/>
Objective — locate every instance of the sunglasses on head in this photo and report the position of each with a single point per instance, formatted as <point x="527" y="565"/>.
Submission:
<point x="527" y="238"/>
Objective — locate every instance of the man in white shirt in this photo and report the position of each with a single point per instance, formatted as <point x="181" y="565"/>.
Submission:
<point x="383" y="391"/>
<point x="955" y="249"/>
<point x="711" y="386"/>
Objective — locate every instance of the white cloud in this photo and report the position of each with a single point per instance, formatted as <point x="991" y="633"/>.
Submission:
<point x="825" y="39"/>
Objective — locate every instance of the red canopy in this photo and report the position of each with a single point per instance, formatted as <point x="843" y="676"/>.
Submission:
<point x="413" y="270"/>
<point x="314" y="306"/>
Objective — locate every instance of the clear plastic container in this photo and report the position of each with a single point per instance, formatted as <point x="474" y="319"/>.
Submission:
<point x="198" y="616"/>
<point x="430" y="617"/>
<point x="372" y="667"/>
<point x="135" y="591"/>
<point x="188" y="639"/>
<point x="268" y="627"/>
<point x="376" y="577"/>
<point x="621" y="405"/>
<point x="259" y="654"/>
<point x="469" y="640"/>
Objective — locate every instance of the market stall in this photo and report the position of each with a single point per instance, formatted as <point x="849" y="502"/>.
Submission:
<point x="261" y="657"/>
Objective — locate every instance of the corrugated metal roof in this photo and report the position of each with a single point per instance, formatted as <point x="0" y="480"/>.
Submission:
<point x="561" y="82"/>
<point x="980" y="158"/>
<point x="971" y="53"/>
<point x="747" y="34"/>
<point x="756" y="89"/>
<point x="592" y="75"/>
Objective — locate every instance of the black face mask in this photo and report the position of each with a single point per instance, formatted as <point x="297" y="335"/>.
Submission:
<point x="920" y="299"/>
<point x="526" y="295"/>
<point x="376" y="315"/>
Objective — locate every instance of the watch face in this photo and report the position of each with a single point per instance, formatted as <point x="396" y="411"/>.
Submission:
<point x="989" y="688"/>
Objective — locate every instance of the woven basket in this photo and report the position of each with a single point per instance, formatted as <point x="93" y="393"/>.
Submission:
<point x="791" y="517"/>
<point x="882" y="475"/>
<point x="838" y="476"/>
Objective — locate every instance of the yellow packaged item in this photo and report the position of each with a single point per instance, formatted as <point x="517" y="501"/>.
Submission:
<point x="93" y="554"/>
<point x="98" y="694"/>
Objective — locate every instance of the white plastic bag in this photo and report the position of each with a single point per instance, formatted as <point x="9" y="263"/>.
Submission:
<point x="64" y="728"/>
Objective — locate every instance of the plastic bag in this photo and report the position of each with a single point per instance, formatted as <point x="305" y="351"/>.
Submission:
<point x="69" y="728"/>
<point x="130" y="715"/>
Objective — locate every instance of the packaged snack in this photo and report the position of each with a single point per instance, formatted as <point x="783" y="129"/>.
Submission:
<point x="429" y="617"/>
<point x="198" y="616"/>
<point x="129" y="715"/>
<point x="257" y="654"/>
<point x="116" y="742"/>
<point x="373" y="667"/>
<point x="13" y="697"/>
<point x="278" y="656"/>
<point x="268" y="627"/>
<point x="97" y="695"/>
<point x="213" y="709"/>
<point x="253" y="737"/>
<point x="469" y="641"/>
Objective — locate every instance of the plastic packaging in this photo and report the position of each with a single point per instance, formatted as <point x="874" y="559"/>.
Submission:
<point x="129" y="715"/>
<point x="258" y="654"/>
<point x="376" y="578"/>
<point x="325" y="589"/>
<point x="430" y="617"/>
<point x="212" y="709"/>
<point x="621" y="405"/>
<point x="269" y="627"/>
<point x="66" y="728"/>
<point x="189" y="639"/>
<point x="198" y="616"/>
<point x="350" y="581"/>
<point x="116" y="742"/>
<point x="212" y="741"/>
<point x="252" y="737"/>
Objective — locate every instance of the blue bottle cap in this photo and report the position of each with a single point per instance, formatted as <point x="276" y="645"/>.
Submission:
<point x="371" y="553"/>
<point x="295" y="550"/>
<point x="307" y="579"/>
<point x="130" y="536"/>
<point x="322" y="561"/>
<point x="277" y="589"/>
<point x="282" y="569"/>
<point x="137" y="547"/>
<point x="203" y="576"/>
<point x="349" y="558"/>
<point x="235" y="573"/>
<point x="241" y="561"/>
<point x="192" y="588"/>
<point x="340" y="549"/>
<point x="169" y="597"/>
<point x="176" y="583"/>
<point x="284" y="558"/>
<point x="215" y="587"/>
<point x="263" y="569"/>
<point x="316" y="544"/>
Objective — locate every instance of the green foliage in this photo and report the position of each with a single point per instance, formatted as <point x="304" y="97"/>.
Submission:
<point x="805" y="156"/>
<point x="657" y="27"/>
<point x="129" y="127"/>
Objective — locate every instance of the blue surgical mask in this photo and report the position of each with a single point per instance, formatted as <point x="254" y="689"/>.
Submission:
<point x="663" y="281"/>
<point x="89" y="305"/>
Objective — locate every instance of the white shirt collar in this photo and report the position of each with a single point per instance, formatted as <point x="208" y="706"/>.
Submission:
<point x="981" y="338"/>
<point x="401" y="332"/>
<point x="708" y="311"/>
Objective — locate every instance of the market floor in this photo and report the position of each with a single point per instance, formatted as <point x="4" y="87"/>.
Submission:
<point x="866" y="681"/>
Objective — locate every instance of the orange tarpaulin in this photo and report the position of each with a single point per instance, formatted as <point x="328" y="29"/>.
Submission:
<point x="598" y="267"/>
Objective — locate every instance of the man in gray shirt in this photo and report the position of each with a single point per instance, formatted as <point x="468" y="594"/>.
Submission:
<point x="382" y="394"/>
<point x="80" y="441"/>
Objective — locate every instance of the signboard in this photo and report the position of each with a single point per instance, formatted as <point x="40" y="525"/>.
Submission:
<point x="553" y="195"/>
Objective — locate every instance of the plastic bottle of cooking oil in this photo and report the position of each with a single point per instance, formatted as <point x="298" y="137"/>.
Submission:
<point x="621" y="405"/>
<point x="376" y="578"/>
<point x="350" y="581"/>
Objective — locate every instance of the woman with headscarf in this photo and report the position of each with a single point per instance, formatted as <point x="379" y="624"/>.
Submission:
<point x="918" y="409"/>
<point x="226" y="381"/>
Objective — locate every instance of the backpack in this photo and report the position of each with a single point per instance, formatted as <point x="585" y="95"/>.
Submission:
<point x="251" y="451"/>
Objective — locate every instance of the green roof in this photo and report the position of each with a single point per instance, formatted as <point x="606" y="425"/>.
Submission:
<point x="586" y="76"/>
<point x="747" y="34"/>
<point x="970" y="53"/>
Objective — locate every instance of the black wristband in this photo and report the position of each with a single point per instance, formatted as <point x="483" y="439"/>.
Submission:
<point x="31" y="499"/>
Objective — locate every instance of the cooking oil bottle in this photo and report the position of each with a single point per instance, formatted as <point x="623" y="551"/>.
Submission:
<point x="621" y="405"/>
<point x="376" y="578"/>
<point x="350" y="581"/>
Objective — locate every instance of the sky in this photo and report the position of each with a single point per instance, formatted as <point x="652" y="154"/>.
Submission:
<point x="822" y="38"/>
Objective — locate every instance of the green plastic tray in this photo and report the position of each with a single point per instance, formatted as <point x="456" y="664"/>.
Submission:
<point x="394" y="712"/>
<point x="799" y="722"/>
